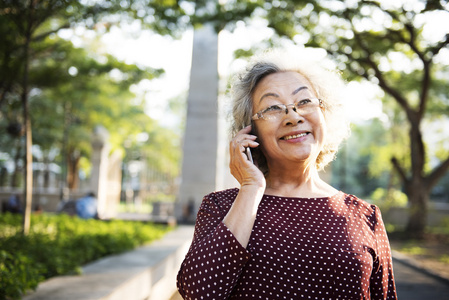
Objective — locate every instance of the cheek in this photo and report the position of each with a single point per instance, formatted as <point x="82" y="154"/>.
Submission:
<point x="322" y="130"/>
<point x="264" y="135"/>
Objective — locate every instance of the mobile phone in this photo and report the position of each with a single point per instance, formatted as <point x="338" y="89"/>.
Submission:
<point x="249" y="155"/>
<point x="248" y="149"/>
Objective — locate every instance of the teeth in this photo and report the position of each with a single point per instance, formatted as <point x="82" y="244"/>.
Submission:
<point x="294" y="136"/>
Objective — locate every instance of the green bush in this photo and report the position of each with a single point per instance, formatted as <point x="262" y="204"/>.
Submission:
<point x="61" y="244"/>
<point x="17" y="274"/>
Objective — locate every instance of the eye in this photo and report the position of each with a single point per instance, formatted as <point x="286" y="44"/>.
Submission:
<point x="273" y="108"/>
<point x="303" y="102"/>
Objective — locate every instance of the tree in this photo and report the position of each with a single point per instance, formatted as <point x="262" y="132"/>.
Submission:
<point x="400" y="36"/>
<point x="26" y="22"/>
<point x="78" y="92"/>
<point x="366" y="38"/>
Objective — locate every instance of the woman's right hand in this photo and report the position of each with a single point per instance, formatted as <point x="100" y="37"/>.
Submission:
<point x="241" y="217"/>
<point x="246" y="173"/>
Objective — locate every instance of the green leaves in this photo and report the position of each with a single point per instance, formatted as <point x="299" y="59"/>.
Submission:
<point x="60" y="244"/>
<point x="17" y="274"/>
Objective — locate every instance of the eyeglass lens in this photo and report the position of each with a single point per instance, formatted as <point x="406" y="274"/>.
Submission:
<point x="301" y="107"/>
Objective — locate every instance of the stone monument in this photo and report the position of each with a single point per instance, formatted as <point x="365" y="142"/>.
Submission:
<point x="98" y="178"/>
<point x="106" y="176"/>
<point x="199" y="165"/>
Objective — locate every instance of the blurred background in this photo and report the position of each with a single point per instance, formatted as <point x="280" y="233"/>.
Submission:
<point x="116" y="74"/>
<point x="96" y="96"/>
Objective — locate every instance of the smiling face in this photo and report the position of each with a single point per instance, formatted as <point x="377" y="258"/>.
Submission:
<point x="292" y="138"/>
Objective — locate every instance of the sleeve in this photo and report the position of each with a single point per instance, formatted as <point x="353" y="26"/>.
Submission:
<point x="215" y="260"/>
<point x="382" y="285"/>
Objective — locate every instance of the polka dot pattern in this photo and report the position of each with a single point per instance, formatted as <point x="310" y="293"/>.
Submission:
<point x="300" y="248"/>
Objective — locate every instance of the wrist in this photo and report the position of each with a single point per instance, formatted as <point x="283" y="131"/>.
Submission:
<point x="253" y="188"/>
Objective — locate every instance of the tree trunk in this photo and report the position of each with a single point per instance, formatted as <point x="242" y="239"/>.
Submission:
<point x="15" y="177"/>
<point x="72" y="171"/>
<point x="418" y="196"/>
<point x="65" y="160"/>
<point x="46" y="172"/>
<point x="28" y="174"/>
<point x="28" y="159"/>
<point x="416" y="188"/>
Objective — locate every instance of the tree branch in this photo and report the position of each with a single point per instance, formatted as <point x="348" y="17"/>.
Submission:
<point x="440" y="45"/>
<point x="425" y="87"/>
<point x="437" y="173"/>
<point x="45" y="34"/>
<point x="412" y="44"/>
<point x="382" y="82"/>
<point x="411" y="41"/>
<point x="399" y="169"/>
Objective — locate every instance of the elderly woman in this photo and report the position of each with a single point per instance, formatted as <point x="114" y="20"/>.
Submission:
<point x="285" y="233"/>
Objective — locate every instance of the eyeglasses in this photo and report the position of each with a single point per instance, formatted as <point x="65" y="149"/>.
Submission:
<point x="302" y="107"/>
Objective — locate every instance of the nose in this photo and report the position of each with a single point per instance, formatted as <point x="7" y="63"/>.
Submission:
<point x="293" y="118"/>
<point x="293" y="108"/>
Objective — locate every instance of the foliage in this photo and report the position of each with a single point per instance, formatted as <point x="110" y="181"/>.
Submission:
<point x="24" y="24"/>
<point x="363" y="163"/>
<point x="76" y="90"/>
<point x="414" y="250"/>
<point x="444" y="258"/>
<point x="17" y="275"/>
<point x="387" y="199"/>
<point x="60" y="244"/>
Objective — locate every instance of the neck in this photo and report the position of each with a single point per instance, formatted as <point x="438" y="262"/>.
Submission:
<point x="297" y="182"/>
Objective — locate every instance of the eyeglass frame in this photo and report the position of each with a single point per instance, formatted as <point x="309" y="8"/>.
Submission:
<point x="259" y="115"/>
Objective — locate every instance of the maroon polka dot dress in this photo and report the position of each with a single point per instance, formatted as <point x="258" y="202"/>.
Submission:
<point x="300" y="248"/>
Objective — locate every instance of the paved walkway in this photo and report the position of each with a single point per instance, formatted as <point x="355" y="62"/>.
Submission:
<point x="413" y="284"/>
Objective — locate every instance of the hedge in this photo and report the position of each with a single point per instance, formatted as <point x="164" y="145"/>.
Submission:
<point x="61" y="244"/>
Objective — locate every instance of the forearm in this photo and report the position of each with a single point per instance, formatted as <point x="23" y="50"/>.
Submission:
<point x="213" y="266"/>
<point x="240" y="218"/>
<point x="215" y="259"/>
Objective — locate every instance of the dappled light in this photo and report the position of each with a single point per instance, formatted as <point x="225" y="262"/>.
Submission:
<point x="96" y="96"/>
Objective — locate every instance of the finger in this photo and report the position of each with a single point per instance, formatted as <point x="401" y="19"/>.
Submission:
<point x="246" y="129"/>
<point x="241" y="136"/>
<point x="240" y="146"/>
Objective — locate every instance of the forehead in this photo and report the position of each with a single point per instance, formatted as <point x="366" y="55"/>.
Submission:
<point x="281" y="83"/>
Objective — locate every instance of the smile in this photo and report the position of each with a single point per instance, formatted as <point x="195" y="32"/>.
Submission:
<point x="289" y="137"/>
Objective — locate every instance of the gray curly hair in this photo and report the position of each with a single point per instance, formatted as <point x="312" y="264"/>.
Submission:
<point x="327" y="85"/>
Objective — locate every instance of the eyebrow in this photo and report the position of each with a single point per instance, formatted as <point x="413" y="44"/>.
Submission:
<point x="299" y="89"/>
<point x="277" y="96"/>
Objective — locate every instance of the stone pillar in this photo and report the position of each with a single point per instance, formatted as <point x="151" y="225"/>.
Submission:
<point x="200" y="138"/>
<point x="99" y="174"/>
<point x="113" y="185"/>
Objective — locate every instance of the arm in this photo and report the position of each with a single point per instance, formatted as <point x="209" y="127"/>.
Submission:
<point x="240" y="218"/>
<point x="218" y="252"/>
<point x="382" y="285"/>
<point x="215" y="259"/>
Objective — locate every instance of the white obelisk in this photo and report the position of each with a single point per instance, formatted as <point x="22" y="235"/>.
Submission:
<point x="199" y="165"/>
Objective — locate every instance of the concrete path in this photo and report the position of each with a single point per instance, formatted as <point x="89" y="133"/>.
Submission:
<point x="416" y="284"/>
